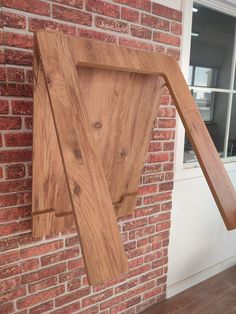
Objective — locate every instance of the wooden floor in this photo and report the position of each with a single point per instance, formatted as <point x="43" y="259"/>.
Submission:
<point x="216" y="295"/>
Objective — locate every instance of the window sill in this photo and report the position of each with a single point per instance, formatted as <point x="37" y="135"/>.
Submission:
<point x="193" y="170"/>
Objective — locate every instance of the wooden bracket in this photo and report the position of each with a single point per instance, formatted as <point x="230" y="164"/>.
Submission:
<point x="94" y="107"/>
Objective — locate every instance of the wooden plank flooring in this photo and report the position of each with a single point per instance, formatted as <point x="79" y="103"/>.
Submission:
<point x="216" y="295"/>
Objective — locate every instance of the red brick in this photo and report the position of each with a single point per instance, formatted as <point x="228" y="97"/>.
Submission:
<point x="127" y="285"/>
<point x="3" y="74"/>
<point x="157" y="198"/>
<point x="7" y="229"/>
<point x="163" y="135"/>
<point x="159" y="49"/>
<point x="74" y="284"/>
<point x="41" y="249"/>
<point x="76" y="263"/>
<point x="135" y="44"/>
<point x="30" y="264"/>
<point x="118" y="308"/>
<point x="176" y="28"/>
<point x="97" y="35"/>
<point x="166" y="39"/>
<point x="28" y="123"/>
<point x="10" y="284"/>
<point x="166" y="186"/>
<point x="18" y="139"/>
<point x="135" y="224"/>
<point x="112" y="25"/>
<point x="165" y="99"/>
<point x="113" y="301"/>
<point x="12" y="294"/>
<point x="42" y="308"/>
<point x="130" y="246"/>
<point x="36" y="7"/>
<point x="147" y="189"/>
<point x="141" y="32"/>
<point x="152" y="168"/>
<point x="39" y="297"/>
<point x="129" y="15"/>
<point x="166" y="123"/>
<point x="43" y="284"/>
<point x="44" y="273"/>
<point x="73" y="3"/>
<point x="139" y="270"/>
<point x="155" y="22"/>
<point x="138" y="4"/>
<point x="18" y="40"/>
<point x="60" y="256"/>
<point x="160" y="262"/>
<point x="14" y="186"/>
<point x="152" y="293"/>
<point x="145" y="211"/>
<point x="168" y="146"/>
<point x="22" y="107"/>
<point x="7" y="200"/>
<point x="18" y="57"/>
<point x="4" y="107"/>
<point x="103" y="7"/>
<point x="71" y="15"/>
<point x="167" y="112"/>
<point x="13" y="89"/>
<point x="15" y="74"/>
<point x="71" y="308"/>
<point x="153" y="178"/>
<point x="163" y="226"/>
<point x="159" y="237"/>
<point x="97" y="297"/>
<point x="167" y="12"/>
<point x="142" y="232"/>
<point x="166" y="206"/>
<point x="174" y="53"/>
<point x="15" y="171"/>
<point x="10" y="123"/>
<point x="168" y="166"/>
<point x="9" y="271"/>
<point x="13" y="20"/>
<point x="7" y="308"/>
<point x="68" y="276"/>
<point x="155" y="146"/>
<point x="10" y="257"/>
<point x="152" y="274"/>
<point x="69" y="297"/>
<point x="139" y="251"/>
<point x="36" y="24"/>
<point x="15" y="155"/>
<point x="157" y="157"/>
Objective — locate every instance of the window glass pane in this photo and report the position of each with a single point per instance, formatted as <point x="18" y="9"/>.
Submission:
<point x="213" y="108"/>
<point x="212" y="44"/>
<point x="190" y="75"/>
<point x="232" y="131"/>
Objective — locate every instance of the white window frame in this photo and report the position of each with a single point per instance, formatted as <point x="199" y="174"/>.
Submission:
<point x="190" y="170"/>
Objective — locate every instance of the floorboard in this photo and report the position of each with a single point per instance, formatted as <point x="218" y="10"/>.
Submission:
<point x="216" y="295"/>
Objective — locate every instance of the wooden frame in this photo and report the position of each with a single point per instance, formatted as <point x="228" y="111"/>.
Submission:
<point x="74" y="181"/>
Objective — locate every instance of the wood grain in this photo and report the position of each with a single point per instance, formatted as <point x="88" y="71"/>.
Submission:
<point x="90" y="199"/>
<point x="50" y="194"/>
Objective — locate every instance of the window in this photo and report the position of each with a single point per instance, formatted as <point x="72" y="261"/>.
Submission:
<point x="212" y="78"/>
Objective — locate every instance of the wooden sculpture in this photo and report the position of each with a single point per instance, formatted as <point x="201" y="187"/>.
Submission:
<point x="94" y="107"/>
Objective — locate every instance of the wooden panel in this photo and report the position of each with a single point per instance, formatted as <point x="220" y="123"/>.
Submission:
<point x="121" y="108"/>
<point x="93" y="212"/>
<point x="49" y="188"/>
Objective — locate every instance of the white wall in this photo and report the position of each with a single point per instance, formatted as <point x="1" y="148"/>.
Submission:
<point x="200" y="246"/>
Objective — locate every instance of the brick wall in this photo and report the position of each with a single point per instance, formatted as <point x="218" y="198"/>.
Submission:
<point x="47" y="274"/>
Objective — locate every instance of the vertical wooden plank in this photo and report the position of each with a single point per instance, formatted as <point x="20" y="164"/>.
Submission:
<point x="94" y="215"/>
<point x="50" y="196"/>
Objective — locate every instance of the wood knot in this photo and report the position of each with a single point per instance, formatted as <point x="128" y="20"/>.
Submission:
<point x="77" y="153"/>
<point x="123" y="152"/>
<point x="97" y="125"/>
<point x="77" y="189"/>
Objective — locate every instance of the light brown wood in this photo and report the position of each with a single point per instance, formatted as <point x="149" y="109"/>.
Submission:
<point x="89" y="195"/>
<point x="121" y="108"/>
<point x="50" y="192"/>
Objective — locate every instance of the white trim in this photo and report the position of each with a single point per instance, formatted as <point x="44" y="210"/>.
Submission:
<point x="192" y="170"/>
<point x="220" y="5"/>
<point x="199" y="277"/>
